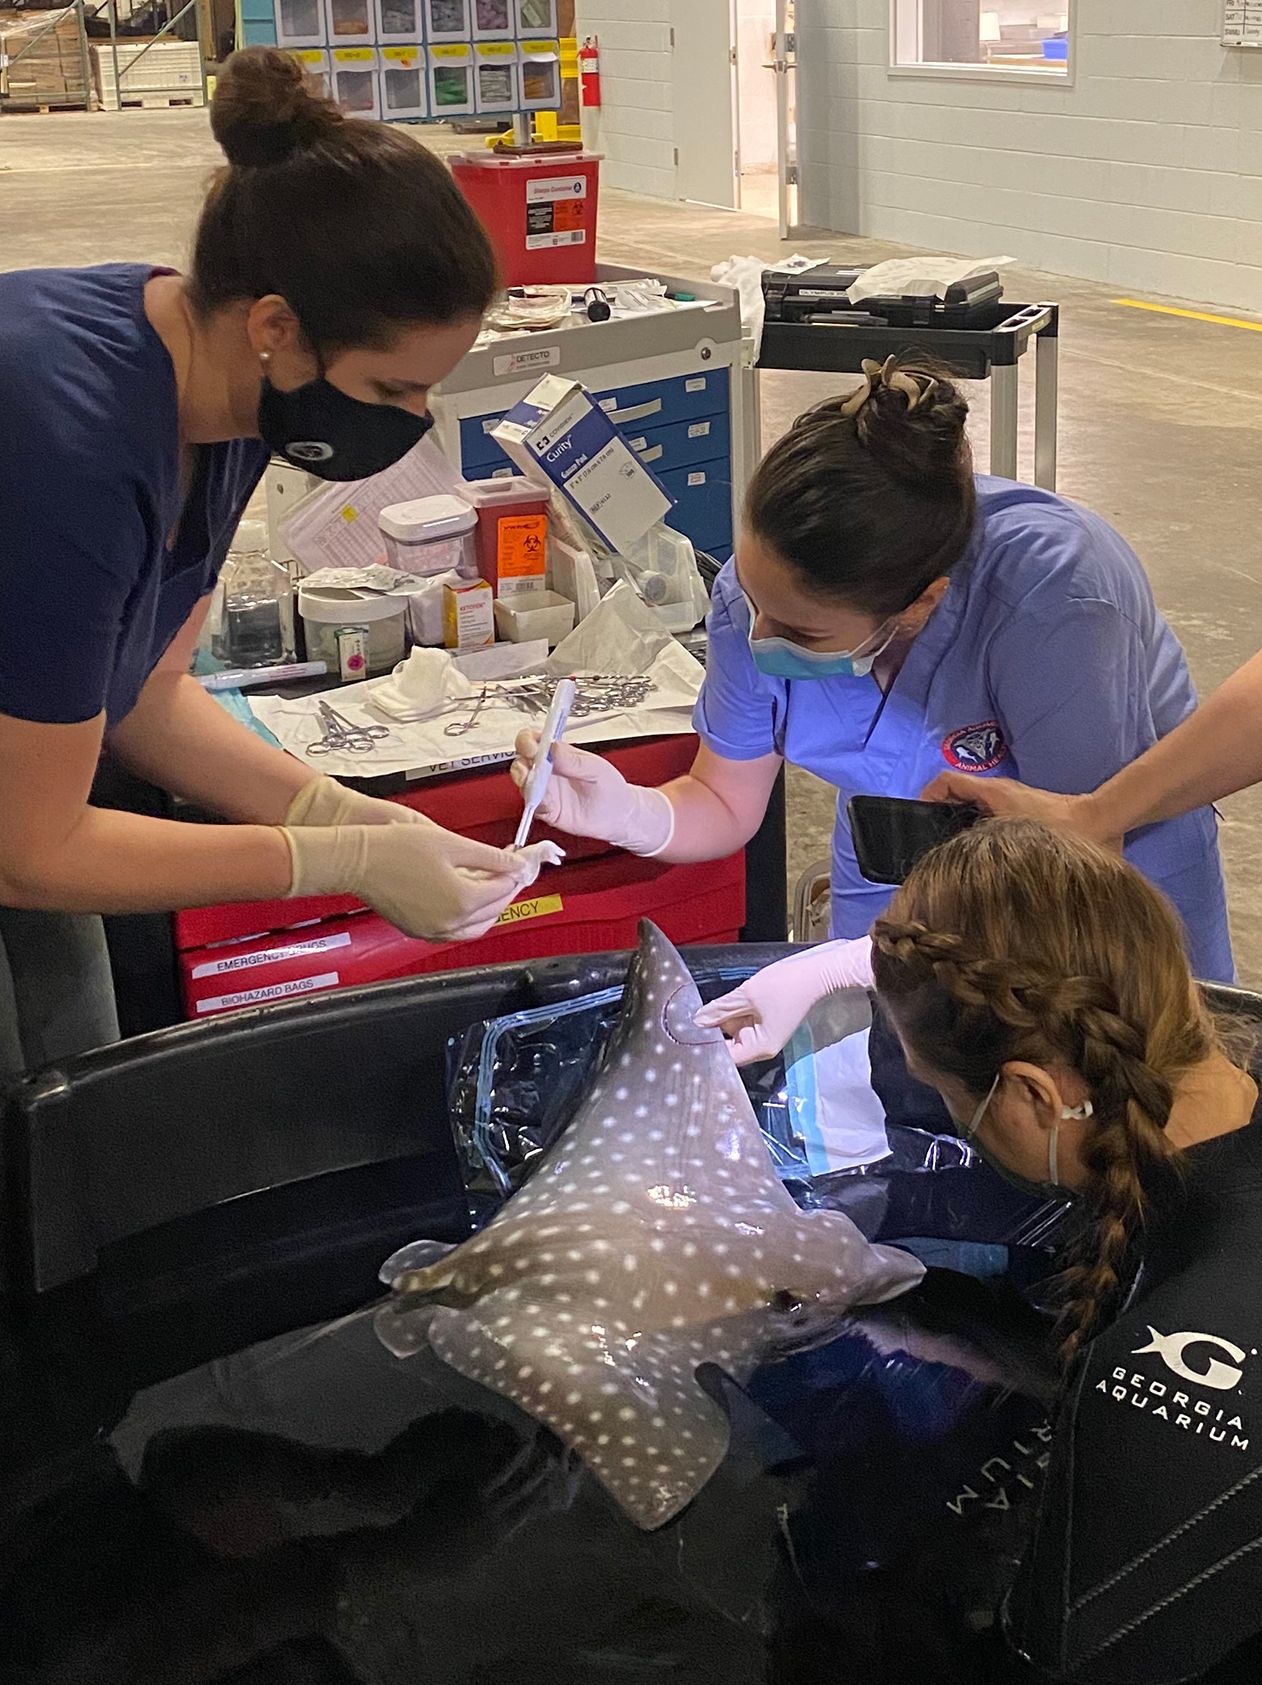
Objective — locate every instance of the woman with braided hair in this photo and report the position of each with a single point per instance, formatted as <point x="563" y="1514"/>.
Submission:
<point x="1039" y="984"/>
<point x="890" y="614"/>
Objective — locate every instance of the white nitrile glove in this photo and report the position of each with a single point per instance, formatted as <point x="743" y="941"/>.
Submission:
<point x="430" y="883"/>
<point x="759" y="1018"/>
<point x="325" y="802"/>
<point x="589" y="797"/>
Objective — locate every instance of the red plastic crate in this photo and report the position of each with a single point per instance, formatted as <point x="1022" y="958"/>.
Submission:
<point x="588" y="907"/>
<point x="483" y="805"/>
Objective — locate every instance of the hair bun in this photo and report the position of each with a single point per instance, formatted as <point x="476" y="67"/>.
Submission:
<point x="265" y="109"/>
<point x="921" y="444"/>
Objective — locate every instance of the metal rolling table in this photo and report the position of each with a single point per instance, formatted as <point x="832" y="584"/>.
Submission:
<point x="992" y="350"/>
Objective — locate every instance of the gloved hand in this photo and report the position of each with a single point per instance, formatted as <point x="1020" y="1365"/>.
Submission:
<point x="428" y="882"/>
<point x="326" y="802"/>
<point x="760" y="1017"/>
<point x="589" y="797"/>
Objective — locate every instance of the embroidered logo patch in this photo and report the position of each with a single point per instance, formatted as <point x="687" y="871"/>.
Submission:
<point x="977" y="748"/>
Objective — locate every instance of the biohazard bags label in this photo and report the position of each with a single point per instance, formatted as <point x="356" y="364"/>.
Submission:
<point x="556" y="213"/>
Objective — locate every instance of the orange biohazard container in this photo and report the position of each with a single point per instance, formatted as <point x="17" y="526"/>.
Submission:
<point x="511" y="539"/>
<point x="540" y="211"/>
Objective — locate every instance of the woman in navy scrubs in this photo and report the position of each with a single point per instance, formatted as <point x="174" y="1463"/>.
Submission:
<point x="337" y="276"/>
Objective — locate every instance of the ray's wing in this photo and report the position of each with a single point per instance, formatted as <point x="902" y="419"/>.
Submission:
<point x="631" y="1408"/>
<point x="421" y="1255"/>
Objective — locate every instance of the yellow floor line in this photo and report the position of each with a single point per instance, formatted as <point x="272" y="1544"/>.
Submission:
<point x="1190" y="315"/>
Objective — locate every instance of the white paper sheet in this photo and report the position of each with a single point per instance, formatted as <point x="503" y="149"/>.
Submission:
<point x="425" y="749"/>
<point x="920" y="277"/>
<point x="336" y="527"/>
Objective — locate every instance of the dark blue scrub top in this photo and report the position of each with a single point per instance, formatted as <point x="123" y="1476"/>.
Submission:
<point x="90" y="593"/>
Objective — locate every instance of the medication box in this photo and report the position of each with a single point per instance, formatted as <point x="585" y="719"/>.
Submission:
<point x="468" y="616"/>
<point x="560" y="436"/>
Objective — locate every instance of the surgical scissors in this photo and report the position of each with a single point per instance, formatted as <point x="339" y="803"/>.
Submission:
<point x="461" y="728"/>
<point x="341" y="737"/>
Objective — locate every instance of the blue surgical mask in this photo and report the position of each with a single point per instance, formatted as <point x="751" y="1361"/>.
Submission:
<point x="1051" y="1189"/>
<point x="781" y="658"/>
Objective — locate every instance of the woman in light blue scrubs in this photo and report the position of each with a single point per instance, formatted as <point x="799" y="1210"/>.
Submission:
<point x="889" y="616"/>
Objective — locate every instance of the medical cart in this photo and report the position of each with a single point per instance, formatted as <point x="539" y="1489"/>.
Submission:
<point x="676" y="382"/>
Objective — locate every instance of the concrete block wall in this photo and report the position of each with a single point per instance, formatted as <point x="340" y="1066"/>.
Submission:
<point x="1145" y="172"/>
<point x="635" y="129"/>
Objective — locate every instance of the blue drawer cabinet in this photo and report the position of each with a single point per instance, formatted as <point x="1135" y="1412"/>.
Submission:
<point x="659" y="403"/>
<point x="703" y="506"/>
<point x="683" y="445"/>
<point x="480" y="456"/>
<point x="681" y="427"/>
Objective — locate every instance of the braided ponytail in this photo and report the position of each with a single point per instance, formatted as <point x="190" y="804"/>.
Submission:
<point x="1013" y="942"/>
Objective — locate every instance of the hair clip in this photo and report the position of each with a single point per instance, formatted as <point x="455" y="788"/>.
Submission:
<point x="917" y="391"/>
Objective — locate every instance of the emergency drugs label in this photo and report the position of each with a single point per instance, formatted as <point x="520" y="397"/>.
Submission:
<point x="523" y="911"/>
<point x="234" y="963"/>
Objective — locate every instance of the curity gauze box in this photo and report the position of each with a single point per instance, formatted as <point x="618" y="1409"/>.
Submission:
<point x="559" y="435"/>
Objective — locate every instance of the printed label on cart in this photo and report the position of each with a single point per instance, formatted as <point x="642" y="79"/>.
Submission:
<point x="563" y="187"/>
<point x="545" y="242"/>
<point x="272" y="992"/>
<point x="696" y="384"/>
<point x="271" y="956"/>
<point x="523" y="911"/>
<point x="523" y="362"/>
<point x="696" y="479"/>
<point x="700" y="430"/>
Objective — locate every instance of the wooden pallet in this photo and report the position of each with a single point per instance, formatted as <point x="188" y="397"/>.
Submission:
<point x="155" y="102"/>
<point x="29" y="109"/>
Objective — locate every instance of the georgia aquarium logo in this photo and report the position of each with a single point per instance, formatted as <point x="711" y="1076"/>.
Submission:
<point x="976" y="748"/>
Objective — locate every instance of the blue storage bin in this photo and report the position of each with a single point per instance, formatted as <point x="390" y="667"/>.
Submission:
<point x="1057" y="49"/>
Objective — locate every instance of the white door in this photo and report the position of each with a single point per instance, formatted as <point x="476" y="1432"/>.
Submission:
<point x="786" y="62"/>
<point x="703" y="36"/>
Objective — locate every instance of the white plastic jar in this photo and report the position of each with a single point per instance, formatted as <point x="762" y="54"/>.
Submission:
<point x="430" y="535"/>
<point x="334" y="618"/>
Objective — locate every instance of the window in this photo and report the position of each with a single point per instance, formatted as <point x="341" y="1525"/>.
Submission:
<point x="1013" y="37"/>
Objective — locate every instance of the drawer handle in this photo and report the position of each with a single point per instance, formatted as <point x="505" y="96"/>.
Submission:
<point x="654" y="455"/>
<point x="637" y="412"/>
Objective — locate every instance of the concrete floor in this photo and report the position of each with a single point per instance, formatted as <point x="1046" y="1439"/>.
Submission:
<point x="1160" y="427"/>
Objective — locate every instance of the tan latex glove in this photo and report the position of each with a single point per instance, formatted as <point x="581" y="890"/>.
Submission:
<point x="326" y="802"/>
<point x="430" y="883"/>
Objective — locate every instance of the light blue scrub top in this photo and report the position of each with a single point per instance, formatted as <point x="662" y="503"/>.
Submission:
<point x="1047" y="661"/>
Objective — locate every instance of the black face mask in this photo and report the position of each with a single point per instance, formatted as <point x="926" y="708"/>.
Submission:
<point x="334" y="436"/>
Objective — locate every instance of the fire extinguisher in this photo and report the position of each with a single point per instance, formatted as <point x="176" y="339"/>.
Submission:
<point x="589" y="71"/>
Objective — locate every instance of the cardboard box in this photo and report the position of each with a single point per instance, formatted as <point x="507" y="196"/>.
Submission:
<point x="468" y="616"/>
<point x="559" y="436"/>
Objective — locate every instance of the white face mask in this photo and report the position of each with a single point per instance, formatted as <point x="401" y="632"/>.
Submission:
<point x="1071" y="1114"/>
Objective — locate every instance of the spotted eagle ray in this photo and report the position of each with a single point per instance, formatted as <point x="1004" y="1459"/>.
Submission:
<point x="654" y="1239"/>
